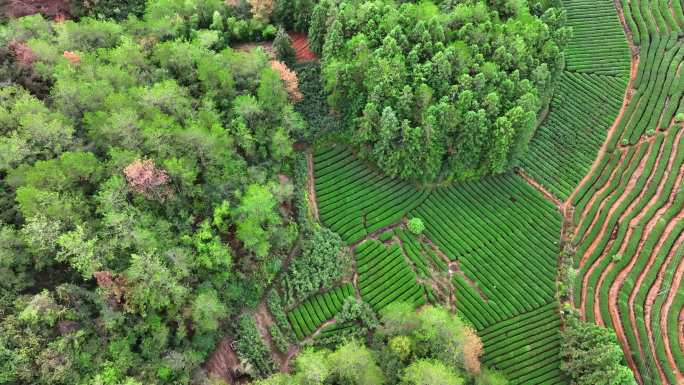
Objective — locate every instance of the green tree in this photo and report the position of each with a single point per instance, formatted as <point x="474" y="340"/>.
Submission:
<point x="312" y="367"/>
<point x="353" y="363"/>
<point x="207" y="311"/>
<point x="256" y="219"/>
<point x="282" y="47"/>
<point x="425" y="372"/>
<point x="591" y="355"/>
<point x="416" y="226"/>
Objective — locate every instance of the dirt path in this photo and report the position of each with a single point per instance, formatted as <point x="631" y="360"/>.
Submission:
<point x="596" y="241"/>
<point x="454" y="267"/>
<point x="435" y="280"/>
<point x="680" y="326"/>
<point x="375" y="234"/>
<point x="546" y="193"/>
<point x="311" y="185"/>
<point x="627" y="99"/>
<point x="642" y="275"/>
<point x="264" y="320"/>
<point x="617" y="284"/>
<point x="223" y="361"/>
<point x="629" y="91"/>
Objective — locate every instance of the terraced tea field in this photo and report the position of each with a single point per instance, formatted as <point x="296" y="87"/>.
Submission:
<point x="629" y="211"/>
<point x="476" y="252"/>
<point x="610" y="159"/>
<point x="586" y="100"/>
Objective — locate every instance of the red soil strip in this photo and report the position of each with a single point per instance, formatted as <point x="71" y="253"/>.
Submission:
<point x="680" y="326"/>
<point x="436" y="281"/>
<point x="616" y="286"/>
<point x="311" y="185"/>
<point x="612" y="130"/>
<point x="454" y="267"/>
<point x="264" y="320"/>
<point x="653" y="293"/>
<point x="375" y="234"/>
<point x="595" y="242"/>
<point x="223" y="361"/>
<point x="676" y="286"/>
<point x="546" y="193"/>
<point x="300" y="43"/>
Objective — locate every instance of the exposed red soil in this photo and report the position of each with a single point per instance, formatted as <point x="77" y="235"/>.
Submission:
<point x="667" y="305"/>
<point x="546" y="193"/>
<point x="223" y="363"/>
<point x="653" y="291"/>
<point x="300" y="43"/>
<point x="441" y="286"/>
<point x="454" y="267"/>
<point x="375" y="234"/>
<point x="264" y="320"/>
<point x="680" y="326"/>
<point x="48" y="8"/>
<point x="596" y="241"/>
<point x="602" y="153"/>
<point x="629" y="91"/>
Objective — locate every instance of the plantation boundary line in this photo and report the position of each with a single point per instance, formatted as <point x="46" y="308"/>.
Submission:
<point x="264" y="319"/>
<point x="457" y="268"/>
<point x="311" y="185"/>
<point x="642" y="274"/>
<point x="538" y="186"/>
<point x="629" y="91"/>
<point x="375" y="234"/>
<point x="617" y="284"/>
<point x="435" y="280"/>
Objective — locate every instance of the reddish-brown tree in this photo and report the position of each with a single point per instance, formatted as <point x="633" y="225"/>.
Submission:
<point x="290" y="79"/>
<point x="145" y="178"/>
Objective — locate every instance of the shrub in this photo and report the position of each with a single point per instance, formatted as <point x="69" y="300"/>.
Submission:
<point x="591" y="355"/>
<point x="250" y="347"/>
<point x="416" y="226"/>
<point x="278" y="338"/>
<point x="282" y="47"/>
<point x="320" y="265"/>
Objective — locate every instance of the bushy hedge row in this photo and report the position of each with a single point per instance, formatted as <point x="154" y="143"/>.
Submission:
<point x="313" y="312"/>
<point x="385" y="276"/>
<point x="355" y="200"/>
<point x="564" y="147"/>
<point x="526" y="347"/>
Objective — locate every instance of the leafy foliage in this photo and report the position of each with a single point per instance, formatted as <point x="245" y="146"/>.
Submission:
<point x="251" y="347"/>
<point x="437" y="94"/>
<point x="282" y="47"/>
<point x="409" y="348"/>
<point x="144" y="191"/>
<point x="322" y="262"/>
<point x="592" y="355"/>
<point x="416" y="226"/>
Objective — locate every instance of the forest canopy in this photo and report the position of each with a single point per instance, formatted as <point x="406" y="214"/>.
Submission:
<point x="447" y="90"/>
<point x="146" y="193"/>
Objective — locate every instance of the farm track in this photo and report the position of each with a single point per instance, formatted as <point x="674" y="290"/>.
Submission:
<point x="311" y="185"/>
<point x="264" y="320"/>
<point x="543" y="190"/>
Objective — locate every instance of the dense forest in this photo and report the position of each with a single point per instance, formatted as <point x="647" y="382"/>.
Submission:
<point x="157" y="200"/>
